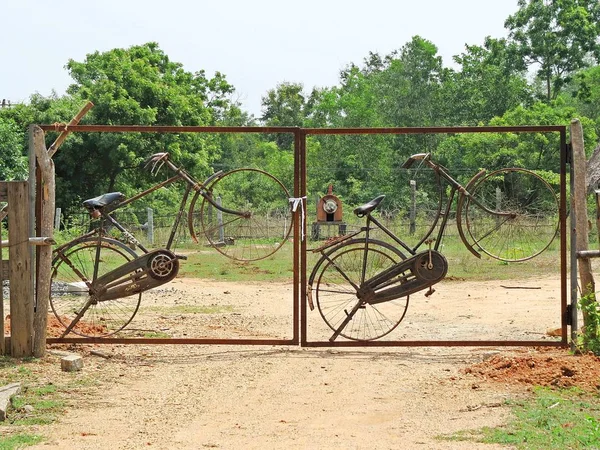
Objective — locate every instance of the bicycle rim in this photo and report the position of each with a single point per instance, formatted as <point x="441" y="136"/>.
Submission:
<point x="512" y="215"/>
<point x="69" y="292"/>
<point x="336" y="296"/>
<point x="251" y="237"/>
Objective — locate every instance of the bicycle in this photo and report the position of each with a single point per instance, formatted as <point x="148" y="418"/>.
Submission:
<point x="361" y="285"/>
<point x="102" y="278"/>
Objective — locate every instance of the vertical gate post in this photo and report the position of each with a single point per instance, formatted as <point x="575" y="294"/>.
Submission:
<point x="2" y="339"/>
<point x="20" y="272"/>
<point x="586" y="277"/>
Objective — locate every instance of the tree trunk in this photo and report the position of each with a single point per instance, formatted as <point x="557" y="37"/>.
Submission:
<point x="40" y="320"/>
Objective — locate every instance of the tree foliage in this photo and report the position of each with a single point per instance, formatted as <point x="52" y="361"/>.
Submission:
<point x="558" y="37"/>
<point x="408" y="87"/>
<point x="13" y="166"/>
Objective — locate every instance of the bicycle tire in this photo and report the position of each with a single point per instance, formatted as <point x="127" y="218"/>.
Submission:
<point x="243" y="238"/>
<point x="335" y="295"/>
<point x="69" y="292"/>
<point x="512" y="214"/>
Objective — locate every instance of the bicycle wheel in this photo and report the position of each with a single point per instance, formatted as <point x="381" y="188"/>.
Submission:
<point x="335" y="295"/>
<point x="512" y="214"/>
<point x="248" y="237"/>
<point x="70" y="292"/>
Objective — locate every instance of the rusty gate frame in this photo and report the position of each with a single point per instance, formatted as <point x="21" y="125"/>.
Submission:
<point x="566" y="310"/>
<point x="299" y="313"/>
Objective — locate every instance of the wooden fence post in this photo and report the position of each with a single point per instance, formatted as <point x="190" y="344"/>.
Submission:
<point x="586" y="278"/>
<point x="150" y="223"/>
<point x="20" y="271"/>
<point x="44" y="266"/>
<point x="2" y="338"/>
<point x="57" y="214"/>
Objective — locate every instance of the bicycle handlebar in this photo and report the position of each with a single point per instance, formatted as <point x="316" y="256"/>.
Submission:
<point x="416" y="157"/>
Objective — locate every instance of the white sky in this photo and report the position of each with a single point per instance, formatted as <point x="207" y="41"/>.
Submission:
<point x="256" y="44"/>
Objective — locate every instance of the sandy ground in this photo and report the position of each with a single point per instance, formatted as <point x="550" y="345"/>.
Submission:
<point x="276" y="397"/>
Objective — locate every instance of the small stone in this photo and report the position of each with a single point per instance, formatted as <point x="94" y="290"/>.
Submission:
<point x="71" y="363"/>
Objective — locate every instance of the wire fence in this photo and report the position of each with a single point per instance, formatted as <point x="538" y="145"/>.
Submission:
<point x="154" y="229"/>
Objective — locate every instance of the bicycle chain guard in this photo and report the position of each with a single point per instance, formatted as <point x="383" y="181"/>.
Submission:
<point x="138" y="275"/>
<point x="407" y="277"/>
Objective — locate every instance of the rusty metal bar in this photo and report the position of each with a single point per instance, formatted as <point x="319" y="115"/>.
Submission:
<point x="196" y="341"/>
<point x="164" y="129"/>
<point x="433" y="343"/>
<point x="376" y="343"/>
<point x="313" y="131"/>
<point x="298" y="140"/>
<point x="563" y="235"/>
<point x="424" y="130"/>
<point x="301" y="174"/>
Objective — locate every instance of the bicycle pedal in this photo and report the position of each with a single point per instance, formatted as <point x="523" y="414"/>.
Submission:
<point x="184" y="257"/>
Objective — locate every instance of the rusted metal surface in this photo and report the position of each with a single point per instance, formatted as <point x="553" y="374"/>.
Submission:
<point x="175" y="341"/>
<point x="164" y="129"/>
<point x="434" y="343"/>
<point x="563" y="240"/>
<point x="299" y="312"/>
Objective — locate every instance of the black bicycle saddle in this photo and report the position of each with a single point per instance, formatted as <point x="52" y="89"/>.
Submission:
<point x="365" y="209"/>
<point x="103" y="200"/>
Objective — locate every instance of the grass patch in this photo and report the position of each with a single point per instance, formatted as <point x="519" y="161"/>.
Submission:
<point x="548" y="420"/>
<point x="156" y="335"/>
<point x="279" y="267"/>
<point x="211" y="264"/>
<point x="19" y="441"/>
<point x="40" y="402"/>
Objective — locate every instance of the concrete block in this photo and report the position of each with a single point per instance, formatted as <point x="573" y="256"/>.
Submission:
<point x="6" y="392"/>
<point x="71" y="363"/>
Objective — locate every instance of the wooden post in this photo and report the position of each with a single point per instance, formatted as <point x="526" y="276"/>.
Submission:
<point x="413" y="207"/>
<point x="74" y="121"/>
<point x="44" y="264"/>
<point x="20" y="273"/>
<point x="2" y="339"/>
<point x="150" y="223"/>
<point x="586" y="278"/>
<point x="57" y="214"/>
<point x="220" y="221"/>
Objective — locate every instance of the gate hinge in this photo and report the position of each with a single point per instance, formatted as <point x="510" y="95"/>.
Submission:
<point x="569" y="153"/>
<point x="569" y="315"/>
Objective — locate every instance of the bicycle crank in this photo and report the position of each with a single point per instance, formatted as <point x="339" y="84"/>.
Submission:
<point x="138" y="275"/>
<point x="407" y="277"/>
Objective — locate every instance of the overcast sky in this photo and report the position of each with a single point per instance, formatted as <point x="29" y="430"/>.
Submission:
<point x="256" y="44"/>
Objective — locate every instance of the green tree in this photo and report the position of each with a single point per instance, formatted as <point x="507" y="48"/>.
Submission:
<point x="535" y="151"/>
<point x="284" y="106"/>
<point x="585" y="94"/>
<point x="488" y="84"/>
<point x="558" y="37"/>
<point x="138" y="86"/>
<point x="408" y="87"/>
<point x="13" y="165"/>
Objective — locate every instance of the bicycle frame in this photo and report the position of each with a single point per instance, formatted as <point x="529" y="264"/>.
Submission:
<point x="443" y="211"/>
<point x="358" y="277"/>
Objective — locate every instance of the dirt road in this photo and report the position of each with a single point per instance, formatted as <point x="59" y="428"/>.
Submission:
<point x="233" y="397"/>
